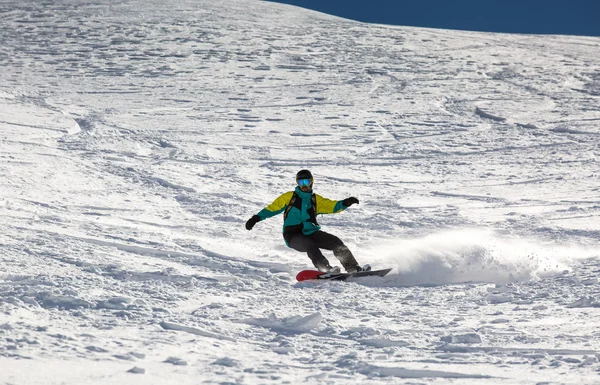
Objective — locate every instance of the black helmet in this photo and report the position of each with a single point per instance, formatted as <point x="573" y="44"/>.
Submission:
<point x="304" y="175"/>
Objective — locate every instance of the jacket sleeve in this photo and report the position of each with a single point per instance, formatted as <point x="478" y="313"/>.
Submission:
<point x="277" y="207"/>
<point x="328" y="206"/>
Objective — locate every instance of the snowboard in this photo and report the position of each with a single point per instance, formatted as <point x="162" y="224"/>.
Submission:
<point x="306" y="275"/>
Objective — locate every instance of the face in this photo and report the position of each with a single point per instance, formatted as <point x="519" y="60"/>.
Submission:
<point x="305" y="184"/>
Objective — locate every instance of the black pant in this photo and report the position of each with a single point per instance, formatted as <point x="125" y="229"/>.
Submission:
<point x="313" y="243"/>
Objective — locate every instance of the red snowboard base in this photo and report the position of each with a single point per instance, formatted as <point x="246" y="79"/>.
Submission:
<point x="306" y="275"/>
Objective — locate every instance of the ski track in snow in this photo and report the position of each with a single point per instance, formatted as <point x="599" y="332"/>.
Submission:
<point x="137" y="137"/>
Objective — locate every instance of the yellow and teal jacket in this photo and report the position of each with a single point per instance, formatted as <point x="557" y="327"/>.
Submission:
<point x="300" y="214"/>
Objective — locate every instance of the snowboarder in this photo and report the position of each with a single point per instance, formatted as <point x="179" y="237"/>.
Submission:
<point x="300" y="228"/>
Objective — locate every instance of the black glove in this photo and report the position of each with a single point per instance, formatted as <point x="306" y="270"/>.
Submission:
<point x="252" y="221"/>
<point x="350" y="201"/>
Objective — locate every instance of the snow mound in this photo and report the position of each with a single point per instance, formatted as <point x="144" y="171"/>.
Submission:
<point x="295" y="324"/>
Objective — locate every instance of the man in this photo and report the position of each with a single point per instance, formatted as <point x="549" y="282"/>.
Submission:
<point x="300" y="228"/>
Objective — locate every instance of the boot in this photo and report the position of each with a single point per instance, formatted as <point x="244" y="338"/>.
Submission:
<point x="332" y="271"/>
<point x="329" y="269"/>
<point x="358" y="269"/>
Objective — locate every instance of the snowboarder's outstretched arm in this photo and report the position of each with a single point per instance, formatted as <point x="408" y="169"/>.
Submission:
<point x="328" y="206"/>
<point x="277" y="207"/>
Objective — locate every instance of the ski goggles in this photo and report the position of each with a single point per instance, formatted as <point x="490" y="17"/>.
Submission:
<point x="304" y="182"/>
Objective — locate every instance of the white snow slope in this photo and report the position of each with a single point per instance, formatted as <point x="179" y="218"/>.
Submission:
<point x="138" y="136"/>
